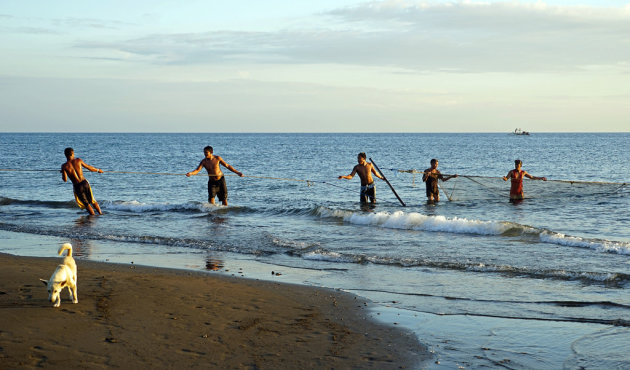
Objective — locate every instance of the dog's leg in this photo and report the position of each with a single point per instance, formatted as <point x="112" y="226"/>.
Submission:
<point x="73" y="294"/>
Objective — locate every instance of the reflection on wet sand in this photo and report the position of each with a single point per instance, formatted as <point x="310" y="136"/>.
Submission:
<point x="214" y="264"/>
<point x="81" y="248"/>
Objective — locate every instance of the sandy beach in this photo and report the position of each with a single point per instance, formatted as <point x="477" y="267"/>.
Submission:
<point x="141" y="317"/>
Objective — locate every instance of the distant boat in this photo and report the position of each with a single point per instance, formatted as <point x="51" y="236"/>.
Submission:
<point x="518" y="131"/>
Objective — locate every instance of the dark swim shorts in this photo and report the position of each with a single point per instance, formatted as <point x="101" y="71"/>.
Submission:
<point x="83" y="192"/>
<point x="217" y="188"/>
<point x="368" y="193"/>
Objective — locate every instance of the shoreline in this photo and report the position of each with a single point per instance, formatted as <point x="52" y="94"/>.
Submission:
<point x="131" y="315"/>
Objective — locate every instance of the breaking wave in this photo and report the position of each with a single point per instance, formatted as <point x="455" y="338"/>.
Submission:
<point x="419" y="222"/>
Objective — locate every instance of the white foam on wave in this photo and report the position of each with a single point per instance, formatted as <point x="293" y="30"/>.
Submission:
<point x="418" y="221"/>
<point x="456" y="225"/>
<point x="328" y="256"/>
<point x="139" y="207"/>
<point x="574" y="241"/>
<point x="293" y="244"/>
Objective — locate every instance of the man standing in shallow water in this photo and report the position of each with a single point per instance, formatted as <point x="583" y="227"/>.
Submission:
<point x="365" y="171"/>
<point x="431" y="177"/>
<point x="517" y="174"/>
<point x="82" y="191"/>
<point x="216" y="182"/>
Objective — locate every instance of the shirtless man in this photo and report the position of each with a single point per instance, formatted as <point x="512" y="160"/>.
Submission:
<point x="365" y="171"/>
<point x="82" y="192"/>
<point x="431" y="176"/>
<point x="517" y="174"/>
<point x="216" y="182"/>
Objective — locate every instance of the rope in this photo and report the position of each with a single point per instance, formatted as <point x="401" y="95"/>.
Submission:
<point x="619" y="188"/>
<point x="454" y="184"/>
<point x="311" y="182"/>
<point x="450" y="197"/>
<point x="148" y="173"/>
<point x="445" y="193"/>
<point x="572" y="182"/>
<point x="14" y="170"/>
<point x="590" y="182"/>
<point x="308" y="182"/>
<point x="338" y="186"/>
<point x="483" y="185"/>
<point x="413" y="171"/>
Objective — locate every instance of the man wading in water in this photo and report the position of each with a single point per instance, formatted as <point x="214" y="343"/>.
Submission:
<point x="365" y="171"/>
<point x="431" y="177"/>
<point x="82" y="192"/>
<point x="517" y="174"/>
<point x="216" y="183"/>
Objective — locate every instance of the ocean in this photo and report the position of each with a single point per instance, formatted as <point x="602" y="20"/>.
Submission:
<point x="482" y="282"/>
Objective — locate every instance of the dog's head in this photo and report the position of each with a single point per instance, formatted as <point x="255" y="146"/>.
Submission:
<point x="54" y="290"/>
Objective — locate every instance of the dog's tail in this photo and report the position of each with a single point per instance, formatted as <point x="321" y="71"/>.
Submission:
<point x="66" y="246"/>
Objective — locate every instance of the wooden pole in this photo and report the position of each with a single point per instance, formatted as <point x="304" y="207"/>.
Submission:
<point x="390" y="185"/>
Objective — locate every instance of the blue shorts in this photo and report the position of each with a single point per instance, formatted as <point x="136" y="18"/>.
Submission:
<point x="368" y="191"/>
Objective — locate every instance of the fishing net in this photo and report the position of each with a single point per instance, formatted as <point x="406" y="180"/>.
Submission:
<point x="465" y="187"/>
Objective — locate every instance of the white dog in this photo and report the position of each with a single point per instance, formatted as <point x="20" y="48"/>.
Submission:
<point x="64" y="276"/>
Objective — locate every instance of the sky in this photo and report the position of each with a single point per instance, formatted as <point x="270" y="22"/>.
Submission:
<point x="314" y="66"/>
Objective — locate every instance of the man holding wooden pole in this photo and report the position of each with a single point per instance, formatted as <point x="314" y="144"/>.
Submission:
<point x="365" y="170"/>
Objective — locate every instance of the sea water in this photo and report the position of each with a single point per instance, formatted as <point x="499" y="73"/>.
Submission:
<point x="481" y="281"/>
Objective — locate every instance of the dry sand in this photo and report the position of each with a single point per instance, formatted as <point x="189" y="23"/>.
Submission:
<point x="140" y="317"/>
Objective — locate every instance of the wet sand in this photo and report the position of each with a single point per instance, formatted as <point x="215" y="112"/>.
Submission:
<point x="141" y="317"/>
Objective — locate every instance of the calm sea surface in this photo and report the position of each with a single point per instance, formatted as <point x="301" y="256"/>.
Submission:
<point x="541" y="284"/>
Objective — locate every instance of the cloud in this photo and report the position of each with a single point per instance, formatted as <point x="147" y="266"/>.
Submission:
<point x="59" y="26"/>
<point x="89" y="23"/>
<point x="29" y="30"/>
<point x="194" y="48"/>
<point x="418" y="36"/>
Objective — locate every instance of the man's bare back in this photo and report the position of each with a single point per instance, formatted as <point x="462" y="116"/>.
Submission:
<point x="365" y="173"/>
<point x="72" y="170"/>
